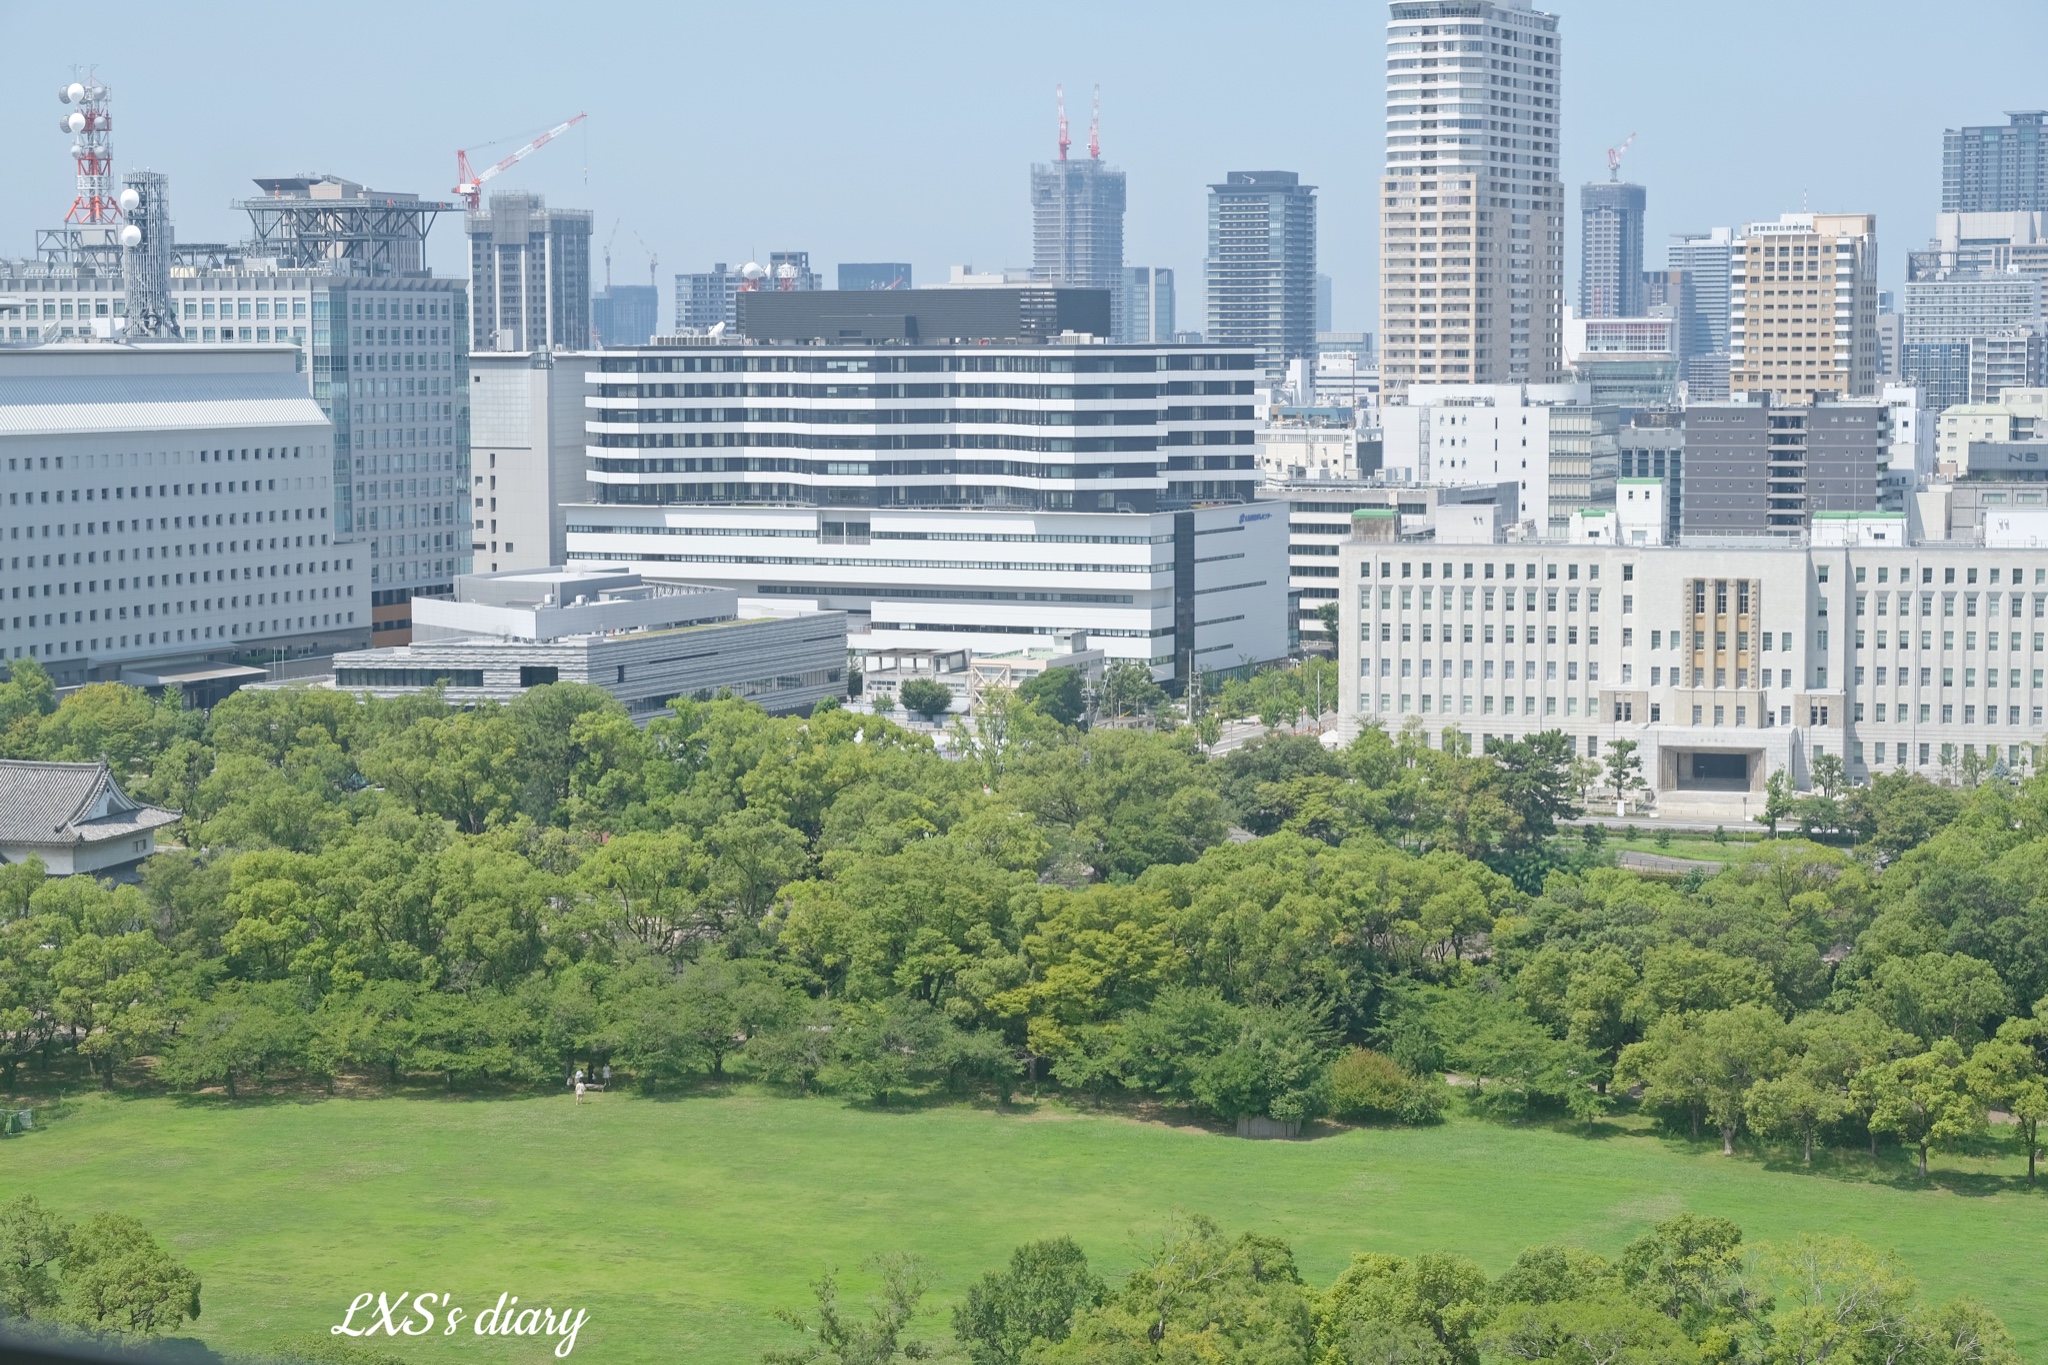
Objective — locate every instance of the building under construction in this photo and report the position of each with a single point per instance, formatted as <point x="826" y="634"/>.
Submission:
<point x="530" y="266"/>
<point x="1077" y="219"/>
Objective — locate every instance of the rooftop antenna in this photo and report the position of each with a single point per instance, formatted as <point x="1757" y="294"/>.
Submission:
<point x="1059" y="95"/>
<point x="1614" y="156"/>
<point x="1095" y="128"/>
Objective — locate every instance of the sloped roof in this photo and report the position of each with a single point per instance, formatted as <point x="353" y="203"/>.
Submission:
<point x="66" y="803"/>
<point x="40" y="404"/>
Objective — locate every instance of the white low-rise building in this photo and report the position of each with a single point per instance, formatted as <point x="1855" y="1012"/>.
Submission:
<point x="167" y="506"/>
<point x="1722" y="663"/>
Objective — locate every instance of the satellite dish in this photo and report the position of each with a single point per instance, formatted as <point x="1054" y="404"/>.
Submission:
<point x="129" y="200"/>
<point x="73" y="93"/>
<point x="131" y="236"/>
<point x="75" y="123"/>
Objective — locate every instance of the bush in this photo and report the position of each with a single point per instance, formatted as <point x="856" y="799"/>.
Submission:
<point x="1371" y="1085"/>
<point x="926" y="697"/>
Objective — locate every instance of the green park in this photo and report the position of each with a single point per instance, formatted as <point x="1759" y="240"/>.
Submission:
<point x="809" y="1039"/>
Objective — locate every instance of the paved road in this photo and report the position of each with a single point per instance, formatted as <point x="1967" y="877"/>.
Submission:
<point x="1659" y="865"/>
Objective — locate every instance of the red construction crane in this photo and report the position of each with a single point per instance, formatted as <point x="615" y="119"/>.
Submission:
<point x="1059" y="95"/>
<point x="469" y="185"/>
<point x="1095" y="128"/>
<point x="1614" y="156"/>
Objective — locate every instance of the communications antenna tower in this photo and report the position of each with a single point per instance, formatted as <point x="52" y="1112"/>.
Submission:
<point x="89" y="123"/>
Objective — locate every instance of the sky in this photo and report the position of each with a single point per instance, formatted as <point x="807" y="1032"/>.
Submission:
<point x="904" y="131"/>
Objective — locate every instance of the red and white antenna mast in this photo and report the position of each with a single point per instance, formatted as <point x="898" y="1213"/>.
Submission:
<point x="1095" y="128"/>
<point x="93" y="151"/>
<point x="1059" y="95"/>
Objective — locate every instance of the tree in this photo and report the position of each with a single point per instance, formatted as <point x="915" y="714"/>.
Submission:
<point x="1378" y="1299"/>
<point x="32" y="1243"/>
<point x="1828" y="774"/>
<point x="2006" y="1073"/>
<point x="1688" y="1268"/>
<point x="832" y="1338"/>
<point x="1794" y="1105"/>
<point x="1276" y="1067"/>
<point x="1624" y="768"/>
<point x="1328" y="616"/>
<point x="1704" y="1064"/>
<point x="244" y="1031"/>
<point x="1058" y="693"/>
<point x="1127" y="689"/>
<point x="925" y="697"/>
<point x="1535" y="783"/>
<point x="1939" y="995"/>
<point x="1778" y="801"/>
<point x="116" y="1278"/>
<point x="1034" y="1300"/>
<point x="1608" y="1330"/>
<point x="1924" y="1100"/>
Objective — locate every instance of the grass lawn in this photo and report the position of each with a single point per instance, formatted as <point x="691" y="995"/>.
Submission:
<point x="681" y="1224"/>
<point x="1695" y="846"/>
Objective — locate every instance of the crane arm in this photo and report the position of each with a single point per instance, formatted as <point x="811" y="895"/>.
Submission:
<point x="469" y="185"/>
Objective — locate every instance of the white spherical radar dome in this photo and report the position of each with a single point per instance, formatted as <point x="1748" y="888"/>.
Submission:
<point x="129" y="200"/>
<point x="131" y="236"/>
<point x="75" y="123"/>
<point x="73" y="93"/>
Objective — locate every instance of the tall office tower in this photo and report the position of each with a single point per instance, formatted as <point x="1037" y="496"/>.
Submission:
<point x="1611" y="240"/>
<point x="1703" y="314"/>
<point x="624" y="315"/>
<point x="1326" y="303"/>
<point x="708" y="297"/>
<point x="1147" y="312"/>
<point x="1262" y="267"/>
<point x="529" y="269"/>
<point x="1471" y="211"/>
<point x="875" y="275"/>
<point x="791" y="270"/>
<point x="1803" y="307"/>
<point x="1992" y="169"/>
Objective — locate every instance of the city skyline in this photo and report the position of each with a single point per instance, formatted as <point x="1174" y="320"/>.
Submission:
<point x="846" y="189"/>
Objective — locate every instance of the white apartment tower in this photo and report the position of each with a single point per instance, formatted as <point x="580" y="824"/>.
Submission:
<point x="1471" y="211"/>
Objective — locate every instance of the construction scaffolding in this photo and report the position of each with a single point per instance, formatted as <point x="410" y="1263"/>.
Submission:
<point x="326" y="222"/>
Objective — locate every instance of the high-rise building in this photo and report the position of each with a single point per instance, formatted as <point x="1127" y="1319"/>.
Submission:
<point x="526" y="443"/>
<point x="1472" y="214"/>
<point x="529" y="269"/>
<point x="624" y="315"/>
<point x="1261" y="268"/>
<point x="706" y="298"/>
<point x="1326" y="303"/>
<point x="230" y="549"/>
<point x="875" y="275"/>
<point x="1706" y="258"/>
<point x="1611" y="240"/>
<point x="1963" y="335"/>
<point x="1077" y="223"/>
<point x="1803" y="307"/>
<point x="1146" y="314"/>
<point x="1991" y="243"/>
<point x="1561" y="451"/>
<point x="1989" y="169"/>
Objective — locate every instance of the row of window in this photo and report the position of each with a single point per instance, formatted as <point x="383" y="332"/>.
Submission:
<point x="238" y="630"/>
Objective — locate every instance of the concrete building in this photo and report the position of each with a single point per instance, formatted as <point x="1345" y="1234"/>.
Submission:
<point x="1026" y="312"/>
<point x="646" y="643"/>
<point x="529" y="271"/>
<point x="1560" y="450"/>
<point x="1145" y="315"/>
<point x="1611" y="247"/>
<point x="1312" y="445"/>
<point x="1722" y="664"/>
<point x="876" y="275"/>
<point x="74" y="818"/>
<point x="1803" y="307"/>
<point x="624" y="315"/>
<point x="1261" y="267"/>
<point x="1077" y="226"/>
<point x="1347" y="375"/>
<point x="1761" y="469"/>
<point x="1472" y="214"/>
<point x="1652" y="447"/>
<point x="1966" y="335"/>
<point x="707" y="298"/>
<point x="1996" y="169"/>
<point x="1626" y="362"/>
<point x="1984" y="244"/>
<point x="968" y="495"/>
<point x="1704" y="313"/>
<point x="527" y="460"/>
<point x="1320" y="522"/>
<point x="232" y="556"/>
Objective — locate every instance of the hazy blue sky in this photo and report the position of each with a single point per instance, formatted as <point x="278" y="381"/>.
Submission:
<point x="879" y="131"/>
